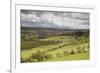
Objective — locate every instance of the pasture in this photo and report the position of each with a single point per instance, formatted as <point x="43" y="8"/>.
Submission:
<point x="53" y="48"/>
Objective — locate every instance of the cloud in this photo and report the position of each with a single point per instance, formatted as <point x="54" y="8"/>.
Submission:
<point x="72" y="20"/>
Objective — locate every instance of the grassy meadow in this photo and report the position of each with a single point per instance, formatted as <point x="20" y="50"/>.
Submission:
<point x="46" y="45"/>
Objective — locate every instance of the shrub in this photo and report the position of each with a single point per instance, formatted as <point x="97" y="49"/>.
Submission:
<point x="72" y="52"/>
<point x="66" y="53"/>
<point x="39" y="56"/>
<point x="79" y="50"/>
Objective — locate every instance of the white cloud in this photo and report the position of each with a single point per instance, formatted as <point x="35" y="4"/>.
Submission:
<point x="64" y="19"/>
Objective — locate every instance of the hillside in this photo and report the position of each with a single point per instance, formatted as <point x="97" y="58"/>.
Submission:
<point x="49" y="44"/>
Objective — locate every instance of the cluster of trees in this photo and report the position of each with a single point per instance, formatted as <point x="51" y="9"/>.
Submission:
<point x="75" y="51"/>
<point x="72" y="52"/>
<point x="41" y="56"/>
<point x="38" y="57"/>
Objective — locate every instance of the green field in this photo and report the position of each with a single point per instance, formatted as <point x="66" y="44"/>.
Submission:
<point x="49" y="47"/>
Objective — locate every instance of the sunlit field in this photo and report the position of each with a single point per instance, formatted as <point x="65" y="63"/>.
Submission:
<point x="46" y="45"/>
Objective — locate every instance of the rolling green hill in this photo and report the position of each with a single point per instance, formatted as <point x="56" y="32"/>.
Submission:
<point x="43" y="45"/>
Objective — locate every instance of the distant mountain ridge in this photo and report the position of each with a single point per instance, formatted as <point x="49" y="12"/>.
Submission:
<point x="43" y="28"/>
<point x="48" y="25"/>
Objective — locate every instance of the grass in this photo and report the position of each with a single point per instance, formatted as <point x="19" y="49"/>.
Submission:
<point x="82" y="56"/>
<point x="26" y="54"/>
<point x="55" y="48"/>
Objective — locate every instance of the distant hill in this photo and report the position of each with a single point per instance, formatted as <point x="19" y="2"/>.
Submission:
<point x="47" y="32"/>
<point x="41" y="28"/>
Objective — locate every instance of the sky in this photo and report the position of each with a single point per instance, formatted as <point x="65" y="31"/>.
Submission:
<point x="55" y="19"/>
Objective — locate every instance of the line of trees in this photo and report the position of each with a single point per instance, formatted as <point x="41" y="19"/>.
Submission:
<point x="41" y="56"/>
